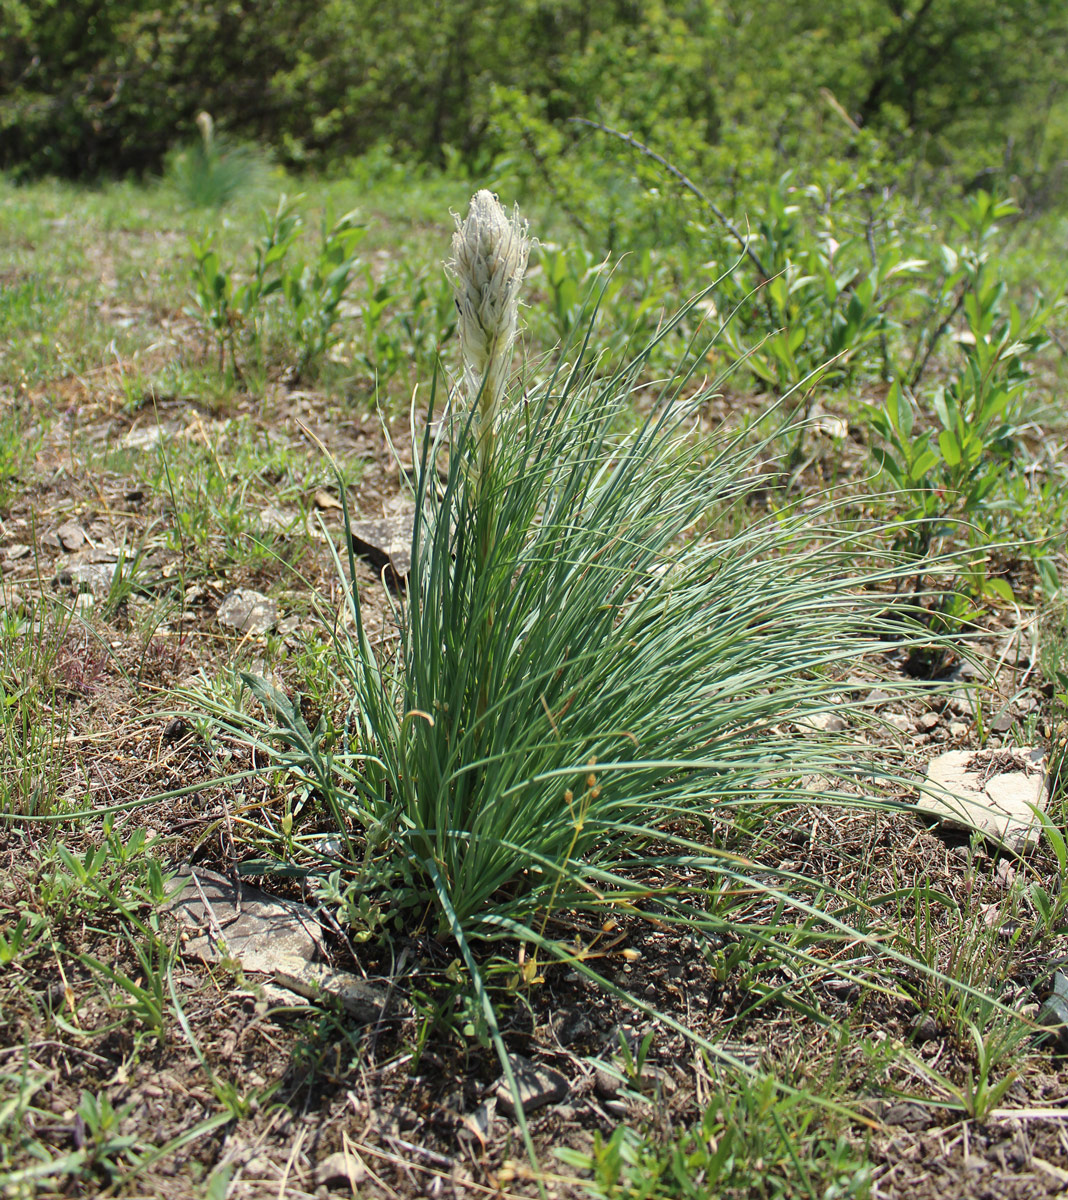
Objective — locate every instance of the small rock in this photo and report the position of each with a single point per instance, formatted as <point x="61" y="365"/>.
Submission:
<point x="924" y="1028"/>
<point x="69" y="536"/>
<point x="571" y="1025"/>
<point x="653" y="1079"/>
<point x="340" y="1170"/>
<point x="994" y="792"/>
<point x="174" y="729"/>
<point x="962" y="672"/>
<point x="479" y="1124"/>
<point x="877" y="696"/>
<point x="87" y="577"/>
<point x="912" y="1117"/>
<point x="537" y="1086"/>
<point x="289" y="626"/>
<point x="16" y="551"/>
<point x="325" y="500"/>
<point x="386" y="542"/>
<point x="606" y="1084"/>
<point x="823" y="722"/>
<point x="964" y="702"/>
<point x="248" y="612"/>
<point x="1003" y="722"/>
<point x="927" y="721"/>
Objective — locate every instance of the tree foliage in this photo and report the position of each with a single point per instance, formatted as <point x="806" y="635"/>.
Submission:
<point x="95" y="86"/>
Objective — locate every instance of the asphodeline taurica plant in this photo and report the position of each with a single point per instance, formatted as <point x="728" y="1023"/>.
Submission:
<point x="604" y="664"/>
<point x="489" y="259"/>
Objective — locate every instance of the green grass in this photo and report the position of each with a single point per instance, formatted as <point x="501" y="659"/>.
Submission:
<point x="589" y="688"/>
<point x="35" y="654"/>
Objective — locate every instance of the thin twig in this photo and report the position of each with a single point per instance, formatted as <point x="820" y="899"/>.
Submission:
<point x="687" y="183"/>
<point x="916" y="375"/>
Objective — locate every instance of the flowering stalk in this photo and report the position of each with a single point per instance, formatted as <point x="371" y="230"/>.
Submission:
<point x="489" y="259"/>
<point x="206" y="126"/>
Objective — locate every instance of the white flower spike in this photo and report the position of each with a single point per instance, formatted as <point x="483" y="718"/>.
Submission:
<point x="489" y="259"/>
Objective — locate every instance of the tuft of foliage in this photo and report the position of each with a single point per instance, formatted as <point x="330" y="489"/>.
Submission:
<point x="236" y="313"/>
<point x="595" y="683"/>
<point x="213" y="170"/>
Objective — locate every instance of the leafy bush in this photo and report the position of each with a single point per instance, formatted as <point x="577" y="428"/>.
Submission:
<point x="87" y="88"/>
<point x="956" y="467"/>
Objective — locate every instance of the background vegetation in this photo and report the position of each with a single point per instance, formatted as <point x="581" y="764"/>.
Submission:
<point x="96" y="87"/>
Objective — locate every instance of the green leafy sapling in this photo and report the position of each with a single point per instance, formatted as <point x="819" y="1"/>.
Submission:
<point x="314" y="292"/>
<point x="231" y="310"/>
<point x="236" y="313"/>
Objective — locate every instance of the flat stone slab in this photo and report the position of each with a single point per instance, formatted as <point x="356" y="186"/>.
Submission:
<point x="989" y="790"/>
<point x="68" y="536"/>
<point x="537" y="1086"/>
<point x="87" y="577"/>
<point x="385" y="542"/>
<point x="268" y="936"/>
<point x="248" y="612"/>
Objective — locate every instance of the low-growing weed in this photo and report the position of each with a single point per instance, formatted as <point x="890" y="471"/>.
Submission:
<point x="236" y="313"/>
<point x="34" y="720"/>
<point x="314" y="292"/>
<point x="996" y="1042"/>
<point x="16" y="940"/>
<point x="751" y="1141"/>
<point x="16" y="453"/>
